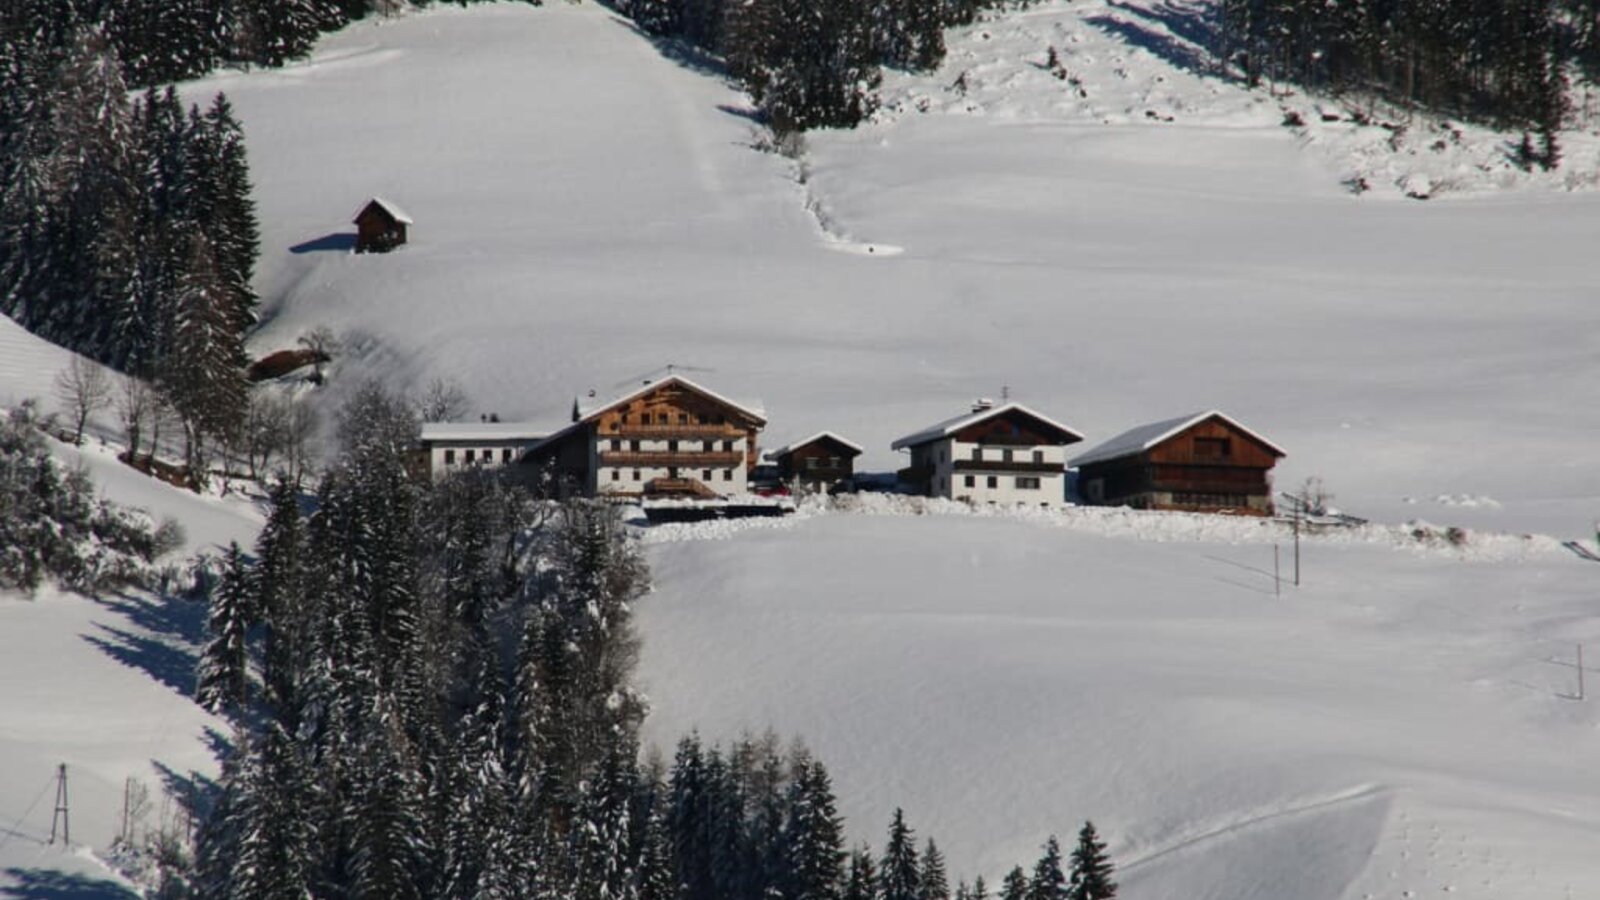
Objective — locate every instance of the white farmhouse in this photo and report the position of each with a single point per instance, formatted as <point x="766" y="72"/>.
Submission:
<point x="1000" y="455"/>
<point x="452" y="446"/>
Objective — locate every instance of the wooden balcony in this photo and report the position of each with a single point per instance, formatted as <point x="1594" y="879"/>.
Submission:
<point x="1017" y="465"/>
<point x="666" y="459"/>
<point x="701" y="432"/>
<point x="679" y="487"/>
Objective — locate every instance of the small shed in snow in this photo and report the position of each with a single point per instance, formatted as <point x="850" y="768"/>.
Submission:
<point x="1206" y="462"/>
<point x="380" y="226"/>
<point x="821" y="461"/>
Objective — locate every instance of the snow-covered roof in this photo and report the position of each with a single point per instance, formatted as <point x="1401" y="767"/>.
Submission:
<point x="388" y="206"/>
<point x="482" y="431"/>
<point x="793" y="445"/>
<point x="951" y="426"/>
<point x="590" y="406"/>
<point x="1142" y="438"/>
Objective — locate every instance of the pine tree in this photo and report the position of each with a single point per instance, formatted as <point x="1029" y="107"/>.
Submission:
<point x="224" y="675"/>
<point x="689" y="819"/>
<point x="980" y="891"/>
<point x="224" y="209"/>
<point x="813" y="836"/>
<point x="1015" y="885"/>
<point x="1091" y="868"/>
<point x="935" y="881"/>
<point x="202" y="375"/>
<point x="899" y="875"/>
<point x="861" y="883"/>
<point x="604" y="862"/>
<point x="1048" y="882"/>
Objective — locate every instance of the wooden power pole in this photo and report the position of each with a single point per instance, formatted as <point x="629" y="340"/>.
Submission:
<point x="59" y="822"/>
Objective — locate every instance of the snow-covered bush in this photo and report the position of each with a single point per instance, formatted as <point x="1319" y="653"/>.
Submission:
<point x="53" y="526"/>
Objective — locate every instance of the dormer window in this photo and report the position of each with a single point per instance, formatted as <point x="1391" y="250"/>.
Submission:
<point x="1212" y="448"/>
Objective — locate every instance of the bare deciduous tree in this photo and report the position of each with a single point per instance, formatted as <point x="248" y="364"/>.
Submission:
<point x="300" y="423"/>
<point x="322" y="344"/>
<point x="266" y="421"/>
<point x="443" y="401"/>
<point x="135" y="405"/>
<point x="83" y="388"/>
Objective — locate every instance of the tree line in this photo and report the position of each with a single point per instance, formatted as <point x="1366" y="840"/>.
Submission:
<point x="432" y="690"/>
<point x="1506" y="62"/>
<point x="810" y="63"/>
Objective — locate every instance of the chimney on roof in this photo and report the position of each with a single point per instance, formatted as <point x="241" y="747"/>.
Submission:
<point x="982" y="404"/>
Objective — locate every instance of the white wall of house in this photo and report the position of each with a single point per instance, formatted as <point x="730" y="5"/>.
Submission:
<point x="1002" y="488"/>
<point x="452" y="456"/>
<point x="725" y="480"/>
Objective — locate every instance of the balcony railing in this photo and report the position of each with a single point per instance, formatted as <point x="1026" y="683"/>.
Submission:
<point x="703" y="431"/>
<point x="663" y="459"/>
<point x="999" y="465"/>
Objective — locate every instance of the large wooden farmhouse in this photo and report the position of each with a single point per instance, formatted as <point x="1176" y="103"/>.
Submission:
<point x="1005" y="455"/>
<point x="452" y="446"/>
<point x="665" y="438"/>
<point x="820" y="462"/>
<point x="1206" y="462"/>
<point x="380" y="226"/>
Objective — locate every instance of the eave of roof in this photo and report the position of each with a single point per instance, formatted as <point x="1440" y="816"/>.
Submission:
<point x="388" y="206"/>
<point x="587" y="412"/>
<point x="1144" y="437"/>
<point x="795" y="445"/>
<point x="489" y="431"/>
<point x="950" y="426"/>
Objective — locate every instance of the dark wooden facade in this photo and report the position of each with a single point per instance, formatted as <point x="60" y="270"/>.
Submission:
<point x="379" y="228"/>
<point x="672" y="439"/>
<point x="822" y="462"/>
<point x="1209" y="465"/>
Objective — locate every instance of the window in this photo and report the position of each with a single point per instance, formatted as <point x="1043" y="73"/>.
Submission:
<point x="977" y="454"/>
<point x="634" y="446"/>
<point x="1027" y="483"/>
<point x="708" y="446"/>
<point x="1038" y="456"/>
<point x="672" y="446"/>
<point x="705" y="475"/>
<point x="635" y="474"/>
<point x="1211" y="448"/>
<point x="471" y="455"/>
<point x="1005" y="455"/>
<point x="616" y="444"/>
<point x="969" y="481"/>
<point x="616" y="474"/>
<point x="727" y="446"/>
<point x="727" y="474"/>
<point x="812" y="462"/>
<point x="505" y="454"/>
<point x="993" y="481"/>
<point x="683" y="418"/>
<point x="449" y="457"/>
<point x="833" y="462"/>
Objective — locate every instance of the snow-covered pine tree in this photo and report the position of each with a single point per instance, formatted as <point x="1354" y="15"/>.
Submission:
<point x="222" y="203"/>
<point x="392" y="858"/>
<point x="224" y="678"/>
<point x="980" y="890"/>
<point x="604" y="860"/>
<point x="1091" y="868"/>
<point x="935" y="880"/>
<point x="688" y="819"/>
<point x="1015" y="885"/>
<point x="272" y="843"/>
<point x="654" y="878"/>
<point x="861" y="882"/>
<point x="813" y="836"/>
<point x="899" y="873"/>
<point x="1048" y="882"/>
<point x="202" y="375"/>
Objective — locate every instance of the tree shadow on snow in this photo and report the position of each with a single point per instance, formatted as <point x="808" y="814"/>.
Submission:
<point x="161" y="640"/>
<point x="1190" y="31"/>
<point x="40" y="884"/>
<point x="337" y="242"/>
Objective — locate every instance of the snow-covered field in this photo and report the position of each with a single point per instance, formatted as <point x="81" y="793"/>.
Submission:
<point x="588" y="211"/>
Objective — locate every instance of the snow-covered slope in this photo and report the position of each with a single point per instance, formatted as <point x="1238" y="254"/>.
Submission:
<point x="1400" y="726"/>
<point x="588" y="211"/>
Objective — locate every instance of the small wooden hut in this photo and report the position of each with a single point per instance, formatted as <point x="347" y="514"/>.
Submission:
<point x="380" y="226"/>
<point x="822" y="461"/>
<point x="1206" y="462"/>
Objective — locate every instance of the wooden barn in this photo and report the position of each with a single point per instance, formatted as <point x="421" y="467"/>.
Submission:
<point x="822" y="461"/>
<point x="380" y="226"/>
<point x="1206" y="462"/>
<point x="664" y="438"/>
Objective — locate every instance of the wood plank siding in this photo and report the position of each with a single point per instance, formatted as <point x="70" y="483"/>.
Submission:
<point x="1210" y="466"/>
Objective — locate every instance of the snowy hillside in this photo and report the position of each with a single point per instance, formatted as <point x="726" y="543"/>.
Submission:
<point x="589" y="210"/>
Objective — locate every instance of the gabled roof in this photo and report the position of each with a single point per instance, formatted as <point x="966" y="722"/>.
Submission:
<point x="588" y="408"/>
<point x="395" y="212"/>
<point x="1144" y="437"/>
<point x="795" y="445"/>
<point x="482" y="431"/>
<point x="951" y="426"/>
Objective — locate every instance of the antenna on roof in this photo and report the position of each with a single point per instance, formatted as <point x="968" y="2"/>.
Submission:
<point x="1005" y="393"/>
<point x="668" y="369"/>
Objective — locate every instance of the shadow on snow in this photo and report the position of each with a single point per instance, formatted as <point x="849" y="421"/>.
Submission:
<point x="39" y="884"/>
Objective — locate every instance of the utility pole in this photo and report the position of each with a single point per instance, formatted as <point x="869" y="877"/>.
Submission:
<point x="1580" y="671"/>
<point x="1298" y="512"/>
<point x="60" y="816"/>
<point x="1277" y="579"/>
